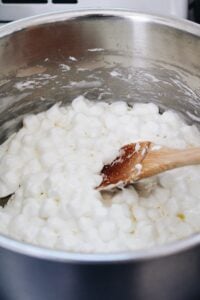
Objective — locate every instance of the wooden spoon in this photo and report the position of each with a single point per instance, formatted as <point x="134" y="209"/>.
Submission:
<point x="142" y="160"/>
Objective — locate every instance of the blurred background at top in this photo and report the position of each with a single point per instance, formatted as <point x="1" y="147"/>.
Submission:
<point x="11" y="10"/>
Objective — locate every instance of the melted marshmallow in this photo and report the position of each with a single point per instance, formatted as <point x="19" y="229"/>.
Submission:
<point x="52" y="167"/>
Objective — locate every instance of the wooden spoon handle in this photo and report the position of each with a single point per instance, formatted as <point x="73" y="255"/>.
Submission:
<point x="157" y="161"/>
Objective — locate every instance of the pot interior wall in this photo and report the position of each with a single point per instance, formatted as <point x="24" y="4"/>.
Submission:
<point x="101" y="57"/>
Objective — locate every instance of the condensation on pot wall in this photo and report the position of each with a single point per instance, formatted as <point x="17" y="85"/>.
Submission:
<point x="99" y="75"/>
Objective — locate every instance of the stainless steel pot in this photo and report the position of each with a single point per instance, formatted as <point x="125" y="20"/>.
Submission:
<point x="111" y="55"/>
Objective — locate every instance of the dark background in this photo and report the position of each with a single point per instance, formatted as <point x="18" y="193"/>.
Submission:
<point x="194" y="10"/>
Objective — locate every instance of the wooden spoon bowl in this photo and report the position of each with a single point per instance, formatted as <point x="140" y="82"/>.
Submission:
<point x="144" y="159"/>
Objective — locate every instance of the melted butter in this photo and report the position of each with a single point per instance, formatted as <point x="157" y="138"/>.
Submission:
<point x="181" y="216"/>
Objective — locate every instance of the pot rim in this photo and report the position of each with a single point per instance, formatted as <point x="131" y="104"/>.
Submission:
<point x="176" y="23"/>
<point x="77" y="257"/>
<point x="134" y="255"/>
